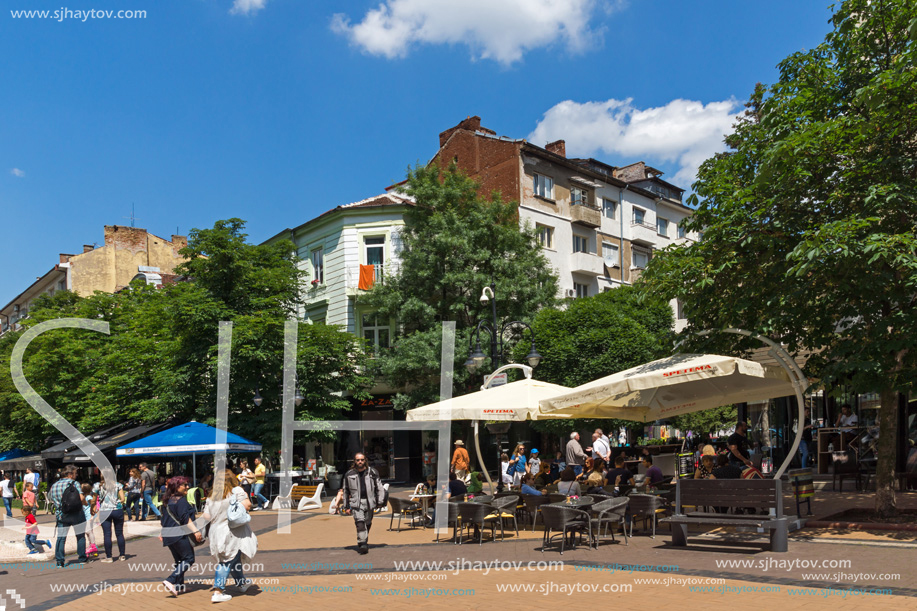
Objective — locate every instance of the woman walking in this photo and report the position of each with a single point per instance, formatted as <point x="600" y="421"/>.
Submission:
<point x="114" y="505"/>
<point x="518" y="461"/>
<point x="177" y="512"/>
<point x="133" y="495"/>
<point x="229" y="545"/>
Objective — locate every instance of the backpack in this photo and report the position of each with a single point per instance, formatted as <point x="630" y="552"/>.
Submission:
<point x="70" y="501"/>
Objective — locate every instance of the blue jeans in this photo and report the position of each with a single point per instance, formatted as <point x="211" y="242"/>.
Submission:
<point x="64" y="522"/>
<point x="256" y="491"/>
<point x="225" y="569"/>
<point x="804" y="451"/>
<point x="8" y="502"/>
<point x="31" y="542"/>
<point x="577" y="469"/>
<point x="148" y="504"/>
<point x="116" y="519"/>
<point x="183" y="555"/>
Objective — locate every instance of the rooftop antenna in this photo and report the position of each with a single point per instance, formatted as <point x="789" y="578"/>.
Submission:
<point x="131" y="217"/>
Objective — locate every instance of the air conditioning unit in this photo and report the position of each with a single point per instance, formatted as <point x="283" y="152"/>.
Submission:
<point x="571" y="293"/>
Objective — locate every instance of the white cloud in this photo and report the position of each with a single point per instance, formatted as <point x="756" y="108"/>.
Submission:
<point x="683" y="132"/>
<point x="17" y="173"/>
<point x="245" y="7"/>
<point x="502" y="30"/>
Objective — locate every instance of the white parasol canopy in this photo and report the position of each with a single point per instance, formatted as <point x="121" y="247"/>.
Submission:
<point x="675" y="385"/>
<point x="513" y="402"/>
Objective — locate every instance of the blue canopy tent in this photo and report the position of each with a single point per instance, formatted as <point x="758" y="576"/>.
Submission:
<point x="14" y="453"/>
<point x="191" y="438"/>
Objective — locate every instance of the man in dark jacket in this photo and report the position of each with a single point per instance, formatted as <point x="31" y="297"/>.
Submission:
<point x="363" y="492"/>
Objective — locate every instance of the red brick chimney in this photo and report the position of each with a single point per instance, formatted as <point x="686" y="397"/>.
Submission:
<point x="558" y="147"/>
<point x="472" y="124"/>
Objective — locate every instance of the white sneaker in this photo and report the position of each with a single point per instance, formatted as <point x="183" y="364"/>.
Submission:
<point x="220" y="597"/>
<point x="266" y="505"/>
<point x="170" y="587"/>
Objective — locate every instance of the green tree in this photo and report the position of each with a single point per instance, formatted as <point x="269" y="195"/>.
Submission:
<point x="809" y="221"/>
<point x="454" y="244"/>
<point x="595" y="337"/>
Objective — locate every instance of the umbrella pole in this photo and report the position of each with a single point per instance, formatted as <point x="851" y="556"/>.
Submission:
<point x="193" y="470"/>
<point x="477" y="448"/>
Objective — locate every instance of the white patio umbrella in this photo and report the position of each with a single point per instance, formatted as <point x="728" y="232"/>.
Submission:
<point x="675" y="385"/>
<point x="513" y="402"/>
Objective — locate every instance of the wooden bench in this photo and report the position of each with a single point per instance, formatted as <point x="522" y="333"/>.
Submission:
<point x="301" y="497"/>
<point x="734" y="494"/>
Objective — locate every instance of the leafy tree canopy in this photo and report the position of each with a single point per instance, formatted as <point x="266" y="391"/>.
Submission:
<point x="454" y="244"/>
<point x="809" y="220"/>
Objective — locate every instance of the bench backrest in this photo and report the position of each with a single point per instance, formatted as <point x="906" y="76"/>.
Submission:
<point x="756" y="493"/>
<point x="300" y="491"/>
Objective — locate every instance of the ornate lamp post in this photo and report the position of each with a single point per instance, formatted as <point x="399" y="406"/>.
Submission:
<point x="477" y="357"/>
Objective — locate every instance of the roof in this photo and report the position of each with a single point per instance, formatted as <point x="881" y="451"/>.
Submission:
<point x="376" y="201"/>
<point x="38" y="280"/>
<point x="189" y="438"/>
<point x="111" y="442"/>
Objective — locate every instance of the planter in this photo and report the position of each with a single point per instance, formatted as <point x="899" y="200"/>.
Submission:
<point x="335" y="480"/>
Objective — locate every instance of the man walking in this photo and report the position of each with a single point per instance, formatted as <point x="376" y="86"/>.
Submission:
<point x="461" y="461"/>
<point x="575" y="456"/>
<point x="65" y="495"/>
<point x="260" y="472"/>
<point x="8" y="489"/>
<point x="31" y="476"/>
<point x="147" y="487"/>
<point x="363" y="492"/>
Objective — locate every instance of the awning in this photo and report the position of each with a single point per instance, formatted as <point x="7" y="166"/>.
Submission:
<point x="14" y="453"/>
<point x="111" y="442"/>
<point x="21" y="463"/>
<point x="189" y="438"/>
<point x="513" y="402"/>
<point x="676" y="385"/>
<point x="57" y="452"/>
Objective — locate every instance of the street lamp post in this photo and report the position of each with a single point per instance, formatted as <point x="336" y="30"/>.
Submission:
<point x="477" y="357"/>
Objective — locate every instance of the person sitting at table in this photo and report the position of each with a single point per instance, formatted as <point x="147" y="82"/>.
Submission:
<point x="588" y="467"/>
<point x="475" y="485"/>
<point x="457" y="487"/>
<point x="594" y="483"/>
<point x="653" y="473"/>
<point x="568" y="484"/>
<point x="845" y="421"/>
<point x="705" y="471"/>
<point x="619" y="476"/>
<point x="527" y="485"/>
<point x="725" y="470"/>
<point x="543" y="478"/>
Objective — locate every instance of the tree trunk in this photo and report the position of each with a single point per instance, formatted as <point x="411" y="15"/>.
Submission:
<point x="888" y="443"/>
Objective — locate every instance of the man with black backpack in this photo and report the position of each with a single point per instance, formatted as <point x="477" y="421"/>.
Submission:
<point x="65" y="494"/>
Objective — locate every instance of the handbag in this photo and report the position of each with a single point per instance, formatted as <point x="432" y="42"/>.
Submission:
<point x="236" y="514"/>
<point x="511" y="469"/>
<point x="191" y="538"/>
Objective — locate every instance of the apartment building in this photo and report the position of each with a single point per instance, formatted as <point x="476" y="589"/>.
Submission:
<point x="128" y="253"/>
<point x="598" y="224"/>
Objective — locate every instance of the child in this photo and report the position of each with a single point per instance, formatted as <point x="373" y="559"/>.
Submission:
<point x="31" y="533"/>
<point x="89" y="510"/>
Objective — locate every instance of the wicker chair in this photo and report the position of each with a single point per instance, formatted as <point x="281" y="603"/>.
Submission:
<point x="505" y="510"/>
<point x="475" y="515"/>
<point x="482" y="498"/>
<point x="645" y="506"/>
<point x="533" y="505"/>
<point x="556" y="497"/>
<point x="453" y="520"/>
<point x="561" y="520"/>
<point x="401" y="508"/>
<point x="610" y="511"/>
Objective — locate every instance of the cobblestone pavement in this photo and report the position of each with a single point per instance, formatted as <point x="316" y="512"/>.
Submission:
<point x="317" y="563"/>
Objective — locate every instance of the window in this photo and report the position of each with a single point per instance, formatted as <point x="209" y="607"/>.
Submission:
<point x="375" y="331"/>
<point x="581" y="290"/>
<point x="62" y="285"/>
<point x="545" y="236"/>
<point x="375" y="250"/>
<point x="578" y="197"/>
<point x="679" y="309"/>
<point x="639" y="216"/>
<point x="681" y="231"/>
<point x="608" y="207"/>
<point x="543" y="186"/>
<point x="610" y="252"/>
<point x="640" y="259"/>
<point x="318" y="266"/>
<point x="662" y="226"/>
<point x="580" y="244"/>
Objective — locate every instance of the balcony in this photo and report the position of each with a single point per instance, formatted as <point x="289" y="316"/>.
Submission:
<point x="382" y="271"/>
<point x="643" y="233"/>
<point x="587" y="263"/>
<point x="586" y="215"/>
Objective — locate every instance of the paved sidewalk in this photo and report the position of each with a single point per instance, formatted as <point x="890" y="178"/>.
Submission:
<point x="317" y="563"/>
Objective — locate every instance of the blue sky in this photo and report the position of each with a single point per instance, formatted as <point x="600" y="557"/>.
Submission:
<point x="277" y="110"/>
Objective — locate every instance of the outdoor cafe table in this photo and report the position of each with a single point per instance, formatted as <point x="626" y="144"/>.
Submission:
<point x="425" y="503"/>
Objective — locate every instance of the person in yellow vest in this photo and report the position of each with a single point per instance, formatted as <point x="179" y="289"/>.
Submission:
<point x="260" y="472"/>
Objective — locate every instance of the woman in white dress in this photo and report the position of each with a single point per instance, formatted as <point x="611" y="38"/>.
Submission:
<point x="230" y="547"/>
